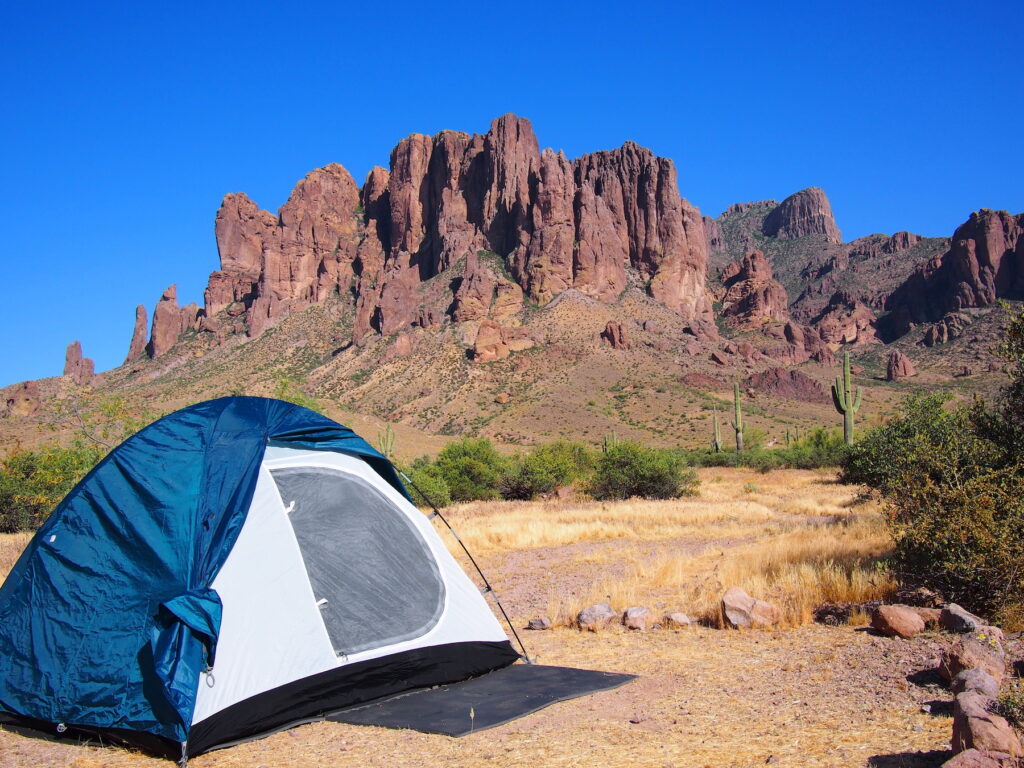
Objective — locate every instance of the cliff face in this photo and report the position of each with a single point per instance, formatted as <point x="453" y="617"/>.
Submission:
<point x="555" y="223"/>
<point x="807" y="212"/>
<point x="752" y="297"/>
<point x="985" y="261"/>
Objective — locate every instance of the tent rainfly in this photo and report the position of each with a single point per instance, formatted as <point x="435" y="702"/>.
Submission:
<point x="236" y="567"/>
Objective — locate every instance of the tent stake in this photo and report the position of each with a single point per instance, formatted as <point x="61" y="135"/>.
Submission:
<point x="487" y="584"/>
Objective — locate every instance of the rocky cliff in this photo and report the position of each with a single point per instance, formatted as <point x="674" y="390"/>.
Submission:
<point x="985" y="262"/>
<point x="808" y="212"/>
<point x="591" y="224"/>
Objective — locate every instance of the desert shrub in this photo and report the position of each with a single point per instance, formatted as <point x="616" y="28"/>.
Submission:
<point x="427" y="487"/>
<point x="953" y="484"/>
<point x="32" y="483"/>
<point x="545" y="468"/>
<point x="962" y="536"/>
<point x="471" y="469"/>
<point x="627" y="469"/>
<point x="291" y="391"/>
<point x="525" y="478"/>
<point x="925" y="439"/>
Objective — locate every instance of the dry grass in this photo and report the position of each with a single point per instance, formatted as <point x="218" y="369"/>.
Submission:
<point x="725" y="509"/>
<point x="809" y="695"/>
<point x="11" y="546"/>
<point x="797" y="552"/>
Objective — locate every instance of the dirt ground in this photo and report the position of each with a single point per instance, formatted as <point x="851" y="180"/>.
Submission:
<point x="806" y="696"/>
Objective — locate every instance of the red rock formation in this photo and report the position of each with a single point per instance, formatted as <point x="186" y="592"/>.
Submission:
<point x="789" y="384"/>
<point x="802" y="343"/>
<point x="137" y="348"/>
<point x="713" y="234"/>
<point x="899" y="367"/>
<point x="557" y="224"/>
<point x="985" y="262"/>
<point x="475" y="293"/>
<point x="169" y="322"/>
<point x="496" y="342"/>
<point x="752" y="297"/>
<point x="806" y="212"/>
<point x="615" y="335"/>
<point x="21" y="399"/>
<point x="79" y="369"/>
<point x="845" y="320"/>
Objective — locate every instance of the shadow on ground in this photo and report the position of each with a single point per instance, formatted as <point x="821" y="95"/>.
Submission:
<point x="932" y="759"/>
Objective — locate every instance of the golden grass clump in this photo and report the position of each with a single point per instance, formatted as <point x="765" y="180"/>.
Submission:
<point x="11" y="547"/>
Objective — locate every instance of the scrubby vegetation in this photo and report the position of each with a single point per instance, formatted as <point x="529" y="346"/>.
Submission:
<point x="32" y="483"/>
<point x="953" y="482"/>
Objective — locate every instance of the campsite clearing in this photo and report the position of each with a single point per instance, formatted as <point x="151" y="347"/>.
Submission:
<point x="805" y="695"/>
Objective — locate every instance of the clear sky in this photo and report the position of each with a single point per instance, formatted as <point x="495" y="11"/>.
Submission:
<point x="123" y="124"/>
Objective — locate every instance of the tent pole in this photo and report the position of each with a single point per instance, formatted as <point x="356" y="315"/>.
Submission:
<point x="487" y="584"/>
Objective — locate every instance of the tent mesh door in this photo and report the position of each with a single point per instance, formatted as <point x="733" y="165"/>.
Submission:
<point x="373" y="575"/>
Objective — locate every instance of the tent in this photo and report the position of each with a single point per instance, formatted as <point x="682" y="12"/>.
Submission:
<point x="235" y="567"/>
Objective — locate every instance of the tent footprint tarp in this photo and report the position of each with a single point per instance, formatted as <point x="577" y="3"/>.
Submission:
<point x="493" y="699"/>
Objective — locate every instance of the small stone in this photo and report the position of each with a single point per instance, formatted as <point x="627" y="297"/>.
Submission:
<point x="540" y="623"/>
<point x="677" y="620"/>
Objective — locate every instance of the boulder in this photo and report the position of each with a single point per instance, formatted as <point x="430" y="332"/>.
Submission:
<point x="973" y="758"/>
<point x="741" y="610"/>
<point x="539" y="624"/>
<point x="957" y="619"/>
<point x="976" y="680"/>
<point x="615" y="335"/>
<point x="930" y="616"/>
<point x="899" y="367"/>
<point x="596" y="617"/>
<point x="676" y="620"/>
<point x="897" y="621"/>
<point x="977" y="650"/>
<point x="638" y="617"/>
<point x="974" y="727"/>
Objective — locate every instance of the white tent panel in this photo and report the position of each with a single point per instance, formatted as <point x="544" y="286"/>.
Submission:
<point x="273" y="632"/>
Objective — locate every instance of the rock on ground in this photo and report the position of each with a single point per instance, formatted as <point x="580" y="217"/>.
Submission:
<point x="897" y="621"/>
<point x="741" y="610"/>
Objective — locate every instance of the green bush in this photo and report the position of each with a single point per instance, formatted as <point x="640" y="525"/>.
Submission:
<point x="471" y="469"/>
<point x="546" y="468"/>
<point x="952" y="480"/>
<point x="32" y="483"/>
<point x="627" y="469"/>
<point x="428" y="487"/>
<point x="925" y="439"/>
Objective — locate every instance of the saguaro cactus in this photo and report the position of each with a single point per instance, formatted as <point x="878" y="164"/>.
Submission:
<point x="844" y="399"/>
<point x="386" y="441"/>
<point x="737" y="420"/>
<point x="717" y="442"/>
<point x="610" y="441"/>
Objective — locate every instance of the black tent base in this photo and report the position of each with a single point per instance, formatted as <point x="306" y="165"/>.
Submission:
<point x="498" y="697"/>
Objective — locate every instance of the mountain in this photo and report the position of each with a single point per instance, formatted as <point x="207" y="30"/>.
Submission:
<point x="482" y="285"/>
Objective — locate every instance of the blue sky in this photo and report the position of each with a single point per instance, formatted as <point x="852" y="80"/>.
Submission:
<point x="125" y="123"/>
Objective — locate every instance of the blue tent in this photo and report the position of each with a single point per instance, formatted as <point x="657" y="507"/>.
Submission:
<point x="152" y="606"/>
